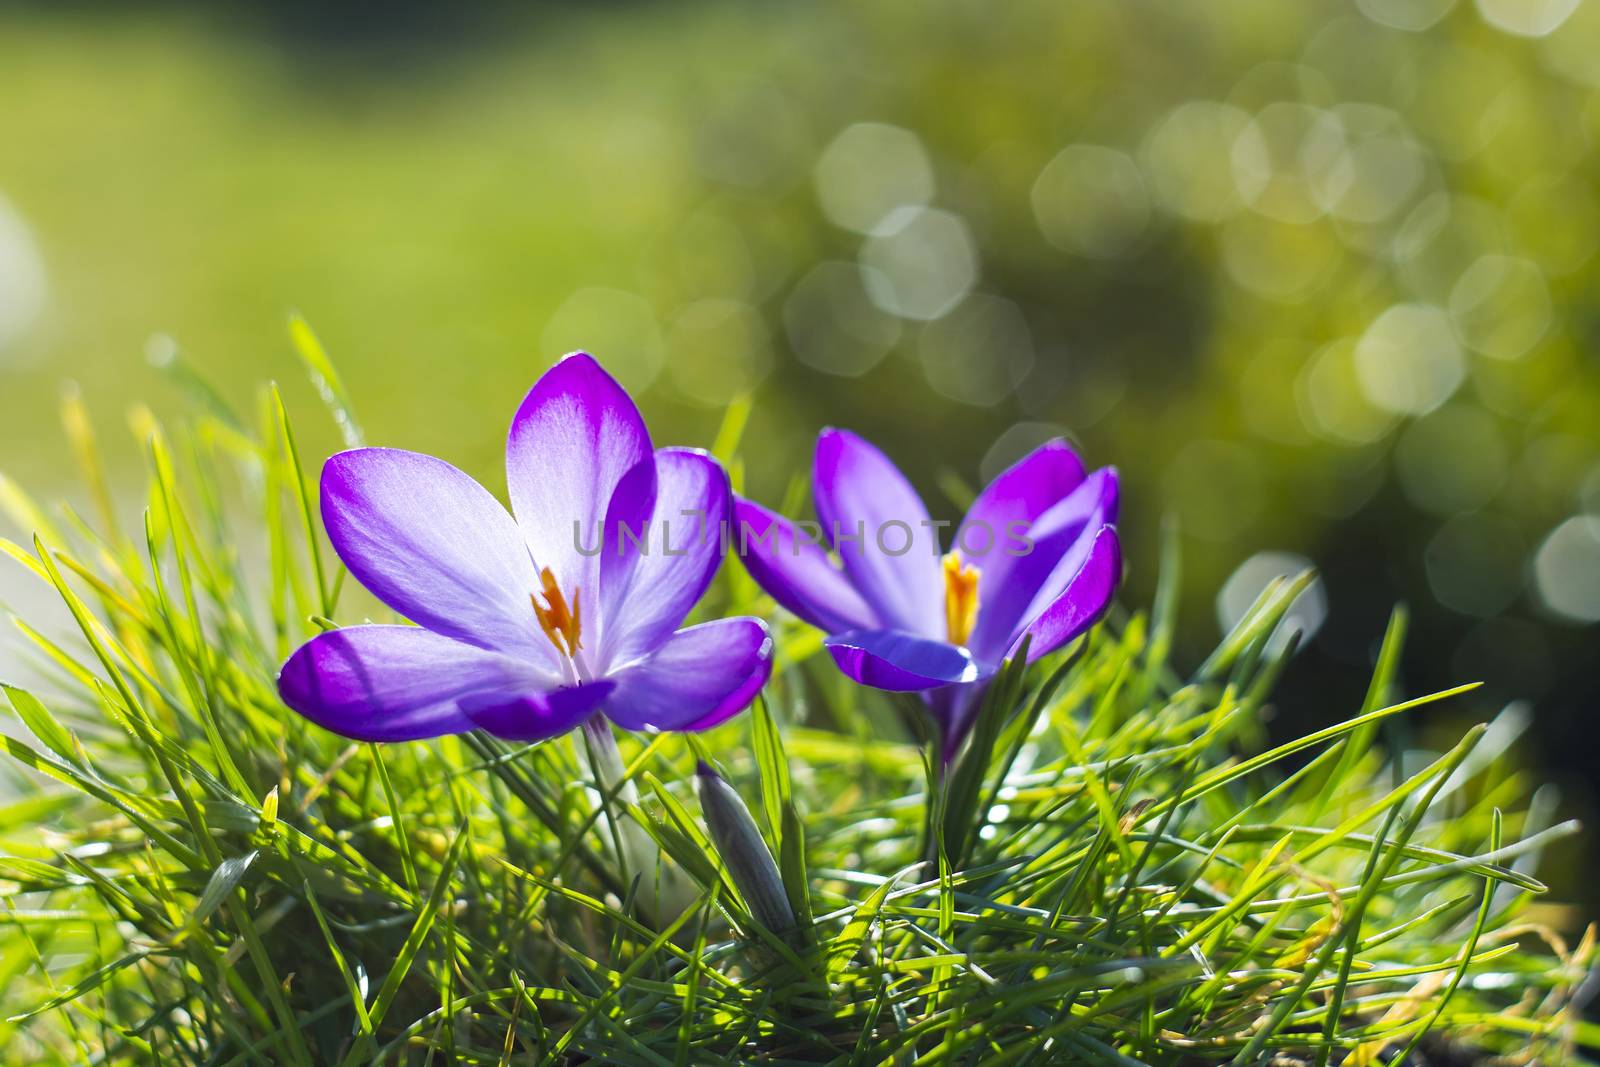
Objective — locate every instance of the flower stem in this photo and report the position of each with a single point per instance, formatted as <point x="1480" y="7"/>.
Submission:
<point x="605" y="761"/>
<point x="605" y="765"/>
<point x="636" y="852"/>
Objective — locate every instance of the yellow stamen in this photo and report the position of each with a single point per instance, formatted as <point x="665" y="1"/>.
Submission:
<point x="560" y="624"/>
<point x="960" y="598"/>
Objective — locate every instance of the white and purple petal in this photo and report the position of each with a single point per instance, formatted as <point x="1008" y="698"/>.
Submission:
<point x="397" y="683"/>
<point x="623" y="538"/>
<point x="796" y="571"/>
<point x="1082" y="599"/>
<point x="647" y="589"/>
<point x="571" y="442"/>
<point x="898" y="661"/>
<point x="435" y="546"/>
<point x="698" y="677"/>
<point x="881" y="530"/>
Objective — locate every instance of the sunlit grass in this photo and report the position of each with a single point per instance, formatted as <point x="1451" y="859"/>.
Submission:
<point x="1118" y="871"/>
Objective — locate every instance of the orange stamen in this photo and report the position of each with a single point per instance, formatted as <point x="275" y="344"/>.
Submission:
<point x="960" y="598"/>
<point x="559" y="623"/>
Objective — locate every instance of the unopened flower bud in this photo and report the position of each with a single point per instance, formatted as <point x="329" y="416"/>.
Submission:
<point x="743" y="850"/>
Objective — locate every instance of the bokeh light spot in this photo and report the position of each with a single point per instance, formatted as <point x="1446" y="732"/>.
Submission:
<point x="978" y="353"/>
<point x="1331" y="401"/>
<point x="1501" y="306"/>
<point x="1091" y="201"/>
<point x="1589" y="493"/>
<point x="1551" y="467"/>
<point x="1409" y="362"/>
<point x="1452" y="460"/>
<point x="1440" y="237"/>
<point x="23" y="287"/>
<point x="716" y="350"/>
<point x="920" y="262"/>
<point x="1566" y="570"/>
<point x="1290" y="160"/>
<point x="833" y="326"/>
<point x="1557" y="218"/>
<point x="1276" y="260"/>
<point x="1570" y="49"/>
<point x="1364" y="61"/>
<point x="1472" y="564"/>
<point x="1526" y="18"/>
<point x="867" y="171"/>
<point x="1412" y="15"/>
<point x="1187" y="157"/>
<point x="619" y="327"/>
<point x="1385" y="166"/>
<point x="1263" y="383"/>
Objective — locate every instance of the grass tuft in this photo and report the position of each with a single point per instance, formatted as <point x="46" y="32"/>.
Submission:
<point x="1116" y="871"/>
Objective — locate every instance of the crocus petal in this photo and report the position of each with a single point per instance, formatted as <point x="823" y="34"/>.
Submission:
<point x="880" y="527"/>
<point x="898" y="661"/>
<point x="1014" y="589"/>
<point x="572" y="440"/>
<point x="697" y="678"/>
<point x="624" y="539"/>
<point x="1085" y="598"/>
<point x="648" y="588"/>
<point x="435" y="546"/>
<point x="396" y="683"/>
<point x="1022" y="492"/>
<point x="1063" y="538"/>
<point x="796" y="572"/>
<point x="535" y="716"/>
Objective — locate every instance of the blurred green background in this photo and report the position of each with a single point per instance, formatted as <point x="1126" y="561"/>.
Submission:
<point x="1319" y="277"/>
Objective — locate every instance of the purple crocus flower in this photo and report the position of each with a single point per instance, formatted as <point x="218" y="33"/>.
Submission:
<point x="1037" y="556"/>
<point x="527" y="626"/>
